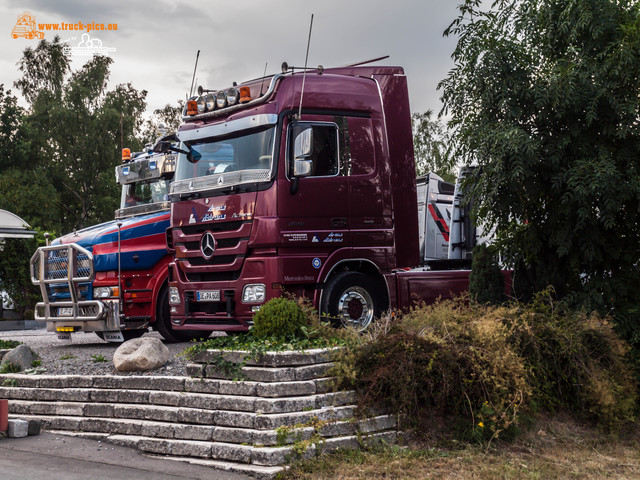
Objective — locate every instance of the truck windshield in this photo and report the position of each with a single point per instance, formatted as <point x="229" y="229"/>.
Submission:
<point x="222" y="162"/>
<point x="144" y="193"/>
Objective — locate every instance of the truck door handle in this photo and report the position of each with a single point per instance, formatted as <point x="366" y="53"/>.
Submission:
<point x="339" y="222"/>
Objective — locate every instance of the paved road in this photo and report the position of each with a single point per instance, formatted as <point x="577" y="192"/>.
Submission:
<point x="58" y="457"/>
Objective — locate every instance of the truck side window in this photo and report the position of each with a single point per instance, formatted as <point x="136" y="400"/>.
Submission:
<point x="317" y="145"/>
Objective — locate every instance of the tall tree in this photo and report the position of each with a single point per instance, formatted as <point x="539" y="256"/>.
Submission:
<point x="432" y="146"/>
<point x="25" y="189"/>
<point x="76" y="125"/>
<point x="169" y="116"/>
<point x="544" y="96"/>
<point x="43" y="70"/>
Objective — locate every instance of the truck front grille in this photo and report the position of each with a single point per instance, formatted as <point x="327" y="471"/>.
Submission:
<point x="231" y="240"/>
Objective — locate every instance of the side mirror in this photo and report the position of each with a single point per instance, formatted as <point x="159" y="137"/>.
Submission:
<point x="302" y="167"/>
<point x="302" y="149"/>
<point x="162" y="147"/>
<point x="303" y="144"/>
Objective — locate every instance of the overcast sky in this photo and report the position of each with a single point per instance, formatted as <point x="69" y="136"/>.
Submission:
<point x="156" y="42"/>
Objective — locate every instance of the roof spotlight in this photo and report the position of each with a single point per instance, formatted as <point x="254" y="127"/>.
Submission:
<point x="221" y="99"/>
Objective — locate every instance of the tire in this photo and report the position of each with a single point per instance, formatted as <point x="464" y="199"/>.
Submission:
<point x="162" y="324"/>
<point x="351" y="299"/>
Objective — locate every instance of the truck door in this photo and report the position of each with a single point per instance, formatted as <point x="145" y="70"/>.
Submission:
<point x="314" y="214"/>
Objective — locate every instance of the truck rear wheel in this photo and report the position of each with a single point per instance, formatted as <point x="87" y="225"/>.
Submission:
<point x="351" y="299"/>
<point x="163" y="322"/>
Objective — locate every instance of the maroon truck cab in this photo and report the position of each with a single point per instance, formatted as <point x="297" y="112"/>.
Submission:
<point x="321" y="203"/>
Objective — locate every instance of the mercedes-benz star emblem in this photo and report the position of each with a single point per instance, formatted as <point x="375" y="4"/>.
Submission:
<point x="207" y="245"/>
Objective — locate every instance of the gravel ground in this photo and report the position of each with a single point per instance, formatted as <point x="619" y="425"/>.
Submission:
<point x="75" y="358"/>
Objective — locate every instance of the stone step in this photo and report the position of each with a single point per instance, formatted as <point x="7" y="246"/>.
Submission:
<point x="240" y="454"/>
<point x="164" y="430"/>
<point x="181" y="399"/>
<point x="219" y="386"/>
<point x="269" y="359"/>
<point x="261" y="374"/>
<point x="266" y="456"/>
<point x="259" y="472"/>
<point x="199" y="416"/>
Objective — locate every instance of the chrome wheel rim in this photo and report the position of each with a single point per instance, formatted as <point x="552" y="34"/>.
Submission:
<point x="355" y="308"/>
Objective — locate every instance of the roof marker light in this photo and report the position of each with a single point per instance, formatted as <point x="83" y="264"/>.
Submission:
<point x="245" y="94"/>
<point x="192" y="107"/>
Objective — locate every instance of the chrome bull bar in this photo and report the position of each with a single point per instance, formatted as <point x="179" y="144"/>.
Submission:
<point x="72" y="265"/>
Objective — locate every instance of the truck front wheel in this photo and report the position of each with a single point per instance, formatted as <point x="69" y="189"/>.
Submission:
<point x="163" y="322"/>
<point x="351" y="299"/>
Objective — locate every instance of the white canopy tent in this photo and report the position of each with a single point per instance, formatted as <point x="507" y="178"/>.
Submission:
<point x="12" y="226"/>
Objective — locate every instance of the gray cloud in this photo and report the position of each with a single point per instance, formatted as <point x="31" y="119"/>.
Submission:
<point x="156" y="42"/>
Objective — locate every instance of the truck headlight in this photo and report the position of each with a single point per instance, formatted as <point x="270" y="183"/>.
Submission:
<point x="106" y="292"/>
<point x="254" y="293"/>
<point x="174" y="296"/>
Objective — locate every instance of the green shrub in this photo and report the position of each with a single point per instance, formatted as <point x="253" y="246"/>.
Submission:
<point x="280" y="318"/>
<point x="444" y="359"/>
<point x="576" y="361"/>
<point x="486" y="365"/>
<point x="486" y="283"/>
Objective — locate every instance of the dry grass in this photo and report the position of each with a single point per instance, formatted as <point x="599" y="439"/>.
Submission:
<point x="558" y="448"/>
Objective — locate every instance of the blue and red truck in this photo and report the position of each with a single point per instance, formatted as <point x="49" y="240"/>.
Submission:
<point x="111" y="279"/>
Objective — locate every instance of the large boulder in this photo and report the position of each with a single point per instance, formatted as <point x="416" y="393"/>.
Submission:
<point x="140" y="354"/>
<point x="21" y="357"/>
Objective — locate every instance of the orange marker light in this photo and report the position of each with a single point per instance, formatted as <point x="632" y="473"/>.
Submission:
<point x="192" y="107"/>
<point x="245" y="94"/>
<point x="126" y="154"/>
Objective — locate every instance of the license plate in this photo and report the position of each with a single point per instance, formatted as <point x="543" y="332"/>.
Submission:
<point x="64" y="336"/>
<point x="113" y="336"/>
<point x="208" y="295"/>
<point x="65" y="312"/>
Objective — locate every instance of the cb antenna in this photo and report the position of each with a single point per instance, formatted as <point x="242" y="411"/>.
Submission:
<point x="263" y="75"/>
<point x="194" y="74"/>
<point x="304" y="73"/>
